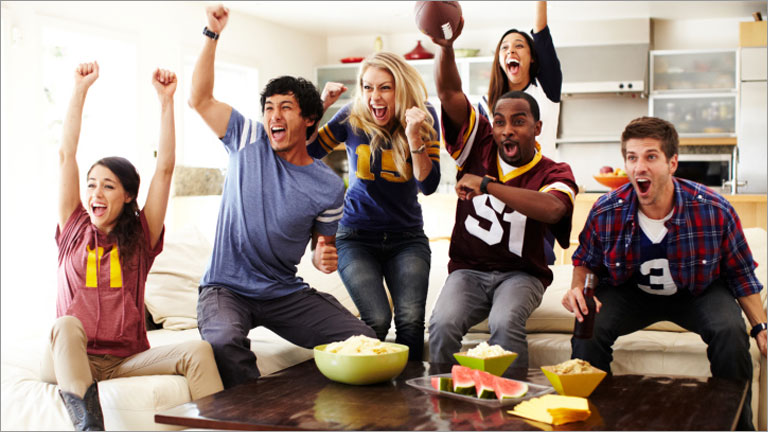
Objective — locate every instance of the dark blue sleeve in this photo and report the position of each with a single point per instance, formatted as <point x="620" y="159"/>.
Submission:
<point x="549" y="74"/>
<point x="429" y="185"/>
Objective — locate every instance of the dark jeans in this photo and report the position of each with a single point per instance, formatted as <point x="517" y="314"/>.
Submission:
<point x="714" y="315"/>
<point x="306" y="318"/>
<point x="366" y="260"/>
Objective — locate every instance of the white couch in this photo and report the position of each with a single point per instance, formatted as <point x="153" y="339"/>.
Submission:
<point x="130" y="403"/>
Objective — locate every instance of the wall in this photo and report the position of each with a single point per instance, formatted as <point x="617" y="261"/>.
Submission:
<point x="165" y="33"/>
<point x="586" y="158"/>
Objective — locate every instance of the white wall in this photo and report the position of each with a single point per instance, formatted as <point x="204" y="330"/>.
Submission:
<point x="164" y="33"/>
<point x="563" y="34"/>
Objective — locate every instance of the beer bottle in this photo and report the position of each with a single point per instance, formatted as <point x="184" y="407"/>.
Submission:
<point x="583" y="329"/>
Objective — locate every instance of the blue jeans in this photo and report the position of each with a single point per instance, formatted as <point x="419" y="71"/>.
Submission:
<point x="507" y="299"/>
<point x="402" y="259"/>
<point x="714" y="315"/>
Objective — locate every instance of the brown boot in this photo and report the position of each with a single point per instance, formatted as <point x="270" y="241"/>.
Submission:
<point x="84" y="412"/>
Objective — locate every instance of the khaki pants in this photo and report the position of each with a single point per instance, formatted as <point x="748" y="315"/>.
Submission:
<point x="68" y="364"/>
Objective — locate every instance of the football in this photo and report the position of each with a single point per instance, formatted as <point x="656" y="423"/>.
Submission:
<point x="438" y="19"/>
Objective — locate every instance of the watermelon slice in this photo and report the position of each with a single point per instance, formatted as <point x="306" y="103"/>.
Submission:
<point x="508" y="388"/>
<point x="484" y="384"/>
<point x="442" y="383"/>
<point x="463" y="380"/>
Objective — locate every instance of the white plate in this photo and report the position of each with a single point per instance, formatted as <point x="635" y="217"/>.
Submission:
<point x="424" y="384"/>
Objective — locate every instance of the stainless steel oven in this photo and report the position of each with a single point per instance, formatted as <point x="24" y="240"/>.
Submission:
<point x="712" y="170"/>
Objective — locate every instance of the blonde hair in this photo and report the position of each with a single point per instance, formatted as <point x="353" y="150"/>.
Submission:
<point x="410" y="91"/>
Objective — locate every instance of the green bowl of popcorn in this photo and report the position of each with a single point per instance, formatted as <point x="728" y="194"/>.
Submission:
<point x="488" y="358"/>
<point x="361" y="360"/>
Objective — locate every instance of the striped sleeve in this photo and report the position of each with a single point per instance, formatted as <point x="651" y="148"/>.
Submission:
<point x="330" y="135"/>
<point x="459" y="144"/>
<point x="327" y="221"/>
<point x="240" y="132"/>
<point x="560" y="187"/>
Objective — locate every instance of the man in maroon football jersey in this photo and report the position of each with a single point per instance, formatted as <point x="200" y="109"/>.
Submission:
<point x="510" y="195"/>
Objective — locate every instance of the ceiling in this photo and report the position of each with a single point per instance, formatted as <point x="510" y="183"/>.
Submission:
<point x="337" y="18"/>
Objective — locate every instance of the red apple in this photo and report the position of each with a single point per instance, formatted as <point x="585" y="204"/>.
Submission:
<point x="606" y="170"/>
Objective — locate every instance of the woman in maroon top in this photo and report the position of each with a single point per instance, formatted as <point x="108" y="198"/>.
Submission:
<point x="106" y="248"/>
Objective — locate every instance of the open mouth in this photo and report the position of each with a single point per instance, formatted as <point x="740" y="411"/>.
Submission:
<point x="513" y="66"/>
<point x="278" y="132"/>
<point x="510" y="148"/>
<point x="643" y="185"/>
<point x="98" y="210"/>
<point x="379" y="113"/>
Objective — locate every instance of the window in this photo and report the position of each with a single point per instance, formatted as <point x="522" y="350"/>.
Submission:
<point x="235" y="85"/>
<point x="110" y="113"/>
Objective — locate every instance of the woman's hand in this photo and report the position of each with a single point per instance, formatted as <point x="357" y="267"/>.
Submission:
<point x="85" y="75"/>
<point x="331" y="93"/>
<point x="164" y="82"/>
<point x="414" y="118"/>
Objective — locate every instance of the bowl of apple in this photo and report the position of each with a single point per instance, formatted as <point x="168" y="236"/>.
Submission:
<point x="612" y="178"/>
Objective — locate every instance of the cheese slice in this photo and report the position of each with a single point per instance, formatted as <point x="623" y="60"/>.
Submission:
<point x="553" y="409"/>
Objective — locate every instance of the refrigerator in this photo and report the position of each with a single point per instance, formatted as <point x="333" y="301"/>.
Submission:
<point x="753" y="124"/>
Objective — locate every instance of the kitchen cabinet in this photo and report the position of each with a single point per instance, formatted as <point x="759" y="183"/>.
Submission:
<point x="696" y="91"/>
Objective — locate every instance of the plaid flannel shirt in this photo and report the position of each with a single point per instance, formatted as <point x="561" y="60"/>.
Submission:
<point x="705" y="240"/>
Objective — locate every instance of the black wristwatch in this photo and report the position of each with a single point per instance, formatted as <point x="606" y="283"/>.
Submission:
<point x="484" y="184"/>
<point x="757" y="329"/>
<point x="210" y="34"/>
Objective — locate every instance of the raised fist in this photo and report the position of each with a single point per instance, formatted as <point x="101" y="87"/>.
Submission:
<point x="217" y="17"/>
<point x="164" y="82"/>
<point x="86" y="74"/>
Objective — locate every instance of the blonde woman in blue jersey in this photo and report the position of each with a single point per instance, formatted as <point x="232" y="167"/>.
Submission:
<point x="392" y="143"/>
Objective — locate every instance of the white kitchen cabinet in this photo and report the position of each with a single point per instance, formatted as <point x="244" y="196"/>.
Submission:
<point x="696" y="90"/>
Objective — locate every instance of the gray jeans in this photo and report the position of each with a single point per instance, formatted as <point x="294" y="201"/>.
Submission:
<point x="306" y="318"/>
<point x="507" y="299"/>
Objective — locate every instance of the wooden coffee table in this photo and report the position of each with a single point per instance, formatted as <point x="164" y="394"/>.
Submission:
<point x="301" y="398"/>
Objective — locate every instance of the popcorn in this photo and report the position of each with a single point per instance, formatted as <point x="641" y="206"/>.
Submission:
<point x="360" y="345"/>
<point x="573" y="366"/>
<point x="484" y="350"/>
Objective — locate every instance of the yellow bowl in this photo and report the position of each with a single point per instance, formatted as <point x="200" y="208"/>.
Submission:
<point x="361" y="369"/>
<point x="578" y="384"/>
<point x="610" y="180"/>
<point x="493" y="365"/>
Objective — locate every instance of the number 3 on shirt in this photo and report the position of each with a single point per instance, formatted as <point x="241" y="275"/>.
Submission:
<point x="489" y="208"/>
<point x="388" y="168"/>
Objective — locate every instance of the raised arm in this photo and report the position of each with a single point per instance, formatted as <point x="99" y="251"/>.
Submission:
<point x="448" y="81"/>
<point x="541" y="16"/>
<point x="69" y="185"/>
<point x="164" y="82"/>
<point x="214" y="113"/>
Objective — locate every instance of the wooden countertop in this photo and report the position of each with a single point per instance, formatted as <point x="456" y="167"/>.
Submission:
<point x="747" y="198"/>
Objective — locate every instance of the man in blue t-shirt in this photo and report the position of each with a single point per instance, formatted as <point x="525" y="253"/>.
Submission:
<point x="275" y="198"/>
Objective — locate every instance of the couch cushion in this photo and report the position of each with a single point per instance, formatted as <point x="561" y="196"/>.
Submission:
<point x="173" y="280"/>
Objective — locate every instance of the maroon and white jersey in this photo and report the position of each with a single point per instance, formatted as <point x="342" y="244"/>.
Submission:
<point x="488" y="235"/>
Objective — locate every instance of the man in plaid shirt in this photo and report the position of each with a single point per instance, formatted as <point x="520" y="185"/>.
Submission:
<point x="667" y="249"/>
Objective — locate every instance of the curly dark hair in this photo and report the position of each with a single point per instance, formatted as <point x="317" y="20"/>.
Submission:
<point x="128" y="226"/>
<point x="499" y="84"/>
<point x="305" y="92"/>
